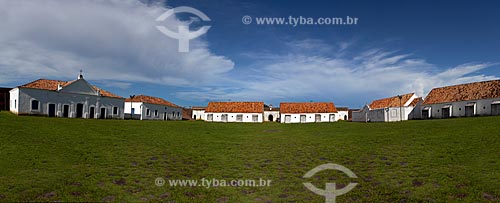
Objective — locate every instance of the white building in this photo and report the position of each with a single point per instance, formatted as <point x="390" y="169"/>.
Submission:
<point x="271" y="114"/>
<point x="308" y="112"/>
<point x="198" y="113"/>
<point x="70" y="99"/>
<point x="251" y="112"/>
<point x="151" y="108"/>
<point x="343" y="113"/>
<point x="390" y="109"/>
<point x="465" y="100"/>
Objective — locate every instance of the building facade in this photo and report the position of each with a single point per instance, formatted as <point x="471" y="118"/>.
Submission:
<point x="465" y="100"/>
<point x="145" y="107"/>
<point x="343" y="113"/>
<point x="390" y="109"/>
<point x="271" y="114"/>
<point x="308" y="112"/>
<point x="70" y="99"/>
<point x="247" y="112"/>
<point x="198" y="113"/>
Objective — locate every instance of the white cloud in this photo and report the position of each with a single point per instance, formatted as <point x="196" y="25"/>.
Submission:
<point x="110" y="40"/>
<point x="346" y="80"/>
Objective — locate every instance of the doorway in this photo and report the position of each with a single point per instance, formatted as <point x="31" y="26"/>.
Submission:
<point x="495" y="109"/>
<point x="270" y="118"/>
<point x="79" y="110"/>
<point x="66" y="111"/>
<point x="52" y="110"/>
<point x="302" y="118"/>
<point x="469" y="110"/>
<point x="332" y="117"/>
<point x="445" y="112"/>
<point x="103" y="113"/>
<point x="92" y="112"/>
<point x="288" y="119"/>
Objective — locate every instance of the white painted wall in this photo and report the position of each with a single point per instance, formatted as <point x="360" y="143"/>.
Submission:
<point x="343" y="114"/>
<point x="310" y="117"/>
<point x="164" y="112"/>
<point x="276" y="115"/>
<point x="231" y="117"/>
<point x="482" y="108"/>
<point x="381" y="115"/>
<point x="199" y="114"/>
<point x="24" y="96"/>
<point x="14" y="99"/>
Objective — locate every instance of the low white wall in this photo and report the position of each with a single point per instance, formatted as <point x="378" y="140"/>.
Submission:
<point x="310" y="117"/>
<point x="231" y="117"/>
<point x="24" y="96"/>
<point x="482" y="108"/>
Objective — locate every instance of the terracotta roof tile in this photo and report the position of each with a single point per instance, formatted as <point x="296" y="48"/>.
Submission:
<point x="464" y="92"/>
<point x="151" y="100"/>
<point x="235" y="107"/>
<point x="415" y="101"/>
<point x="390" y="102"/>
<point x="308" y="107"/>
<point x="52" y="85"/>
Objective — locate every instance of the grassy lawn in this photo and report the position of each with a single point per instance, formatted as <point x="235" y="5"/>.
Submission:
<point x="55" y="159"/>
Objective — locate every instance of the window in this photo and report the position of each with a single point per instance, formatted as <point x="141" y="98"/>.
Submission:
<point x="210" y="117"/>
<point x="156" y="113"/>
<point x="115" y="110"/>
<point x="178" y="114"/>
<point x="239" y="117"/>
<point x="255" y="118"/>
<point x="394" y="113"/>
<point x="173" y="114"/>
<point x="148" y="112"/>
<point x="35" y="104"/>
<point x="133" y="110"/>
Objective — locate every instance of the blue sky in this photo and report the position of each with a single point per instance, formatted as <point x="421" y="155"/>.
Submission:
<point x="397" y="47"/>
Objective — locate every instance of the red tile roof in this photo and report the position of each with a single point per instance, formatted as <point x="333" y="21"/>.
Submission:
<point x="150" y="100"/>
<point x="46" y="84"/>
<point x="235" y="107"/>
<point x="415" y="101"/>
<point x="464" y="92"/>
<point x="390" y="102"/>
<point x="307" y="107"/>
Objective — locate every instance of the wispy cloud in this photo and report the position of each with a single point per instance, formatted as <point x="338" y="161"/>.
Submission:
<point x="354" y="79"/>
<point x="111" y="40"/>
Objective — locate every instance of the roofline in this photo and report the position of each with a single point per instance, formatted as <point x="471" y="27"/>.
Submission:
<point x="423" y="103"/>
<point x="465" y="84"/>
<point x="19" y="87"/>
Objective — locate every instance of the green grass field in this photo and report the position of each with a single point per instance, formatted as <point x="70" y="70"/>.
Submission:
<point x="56" y="159"/>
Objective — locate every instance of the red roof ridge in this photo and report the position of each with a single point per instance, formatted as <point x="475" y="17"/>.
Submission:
<point x="52" y="85"/>
<point x="307" y="107"/>
<point x="390" y="101"/>
<point x="464" y="92"/>
<point x="235" y="107"/>
<point x="151" y="100"/>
